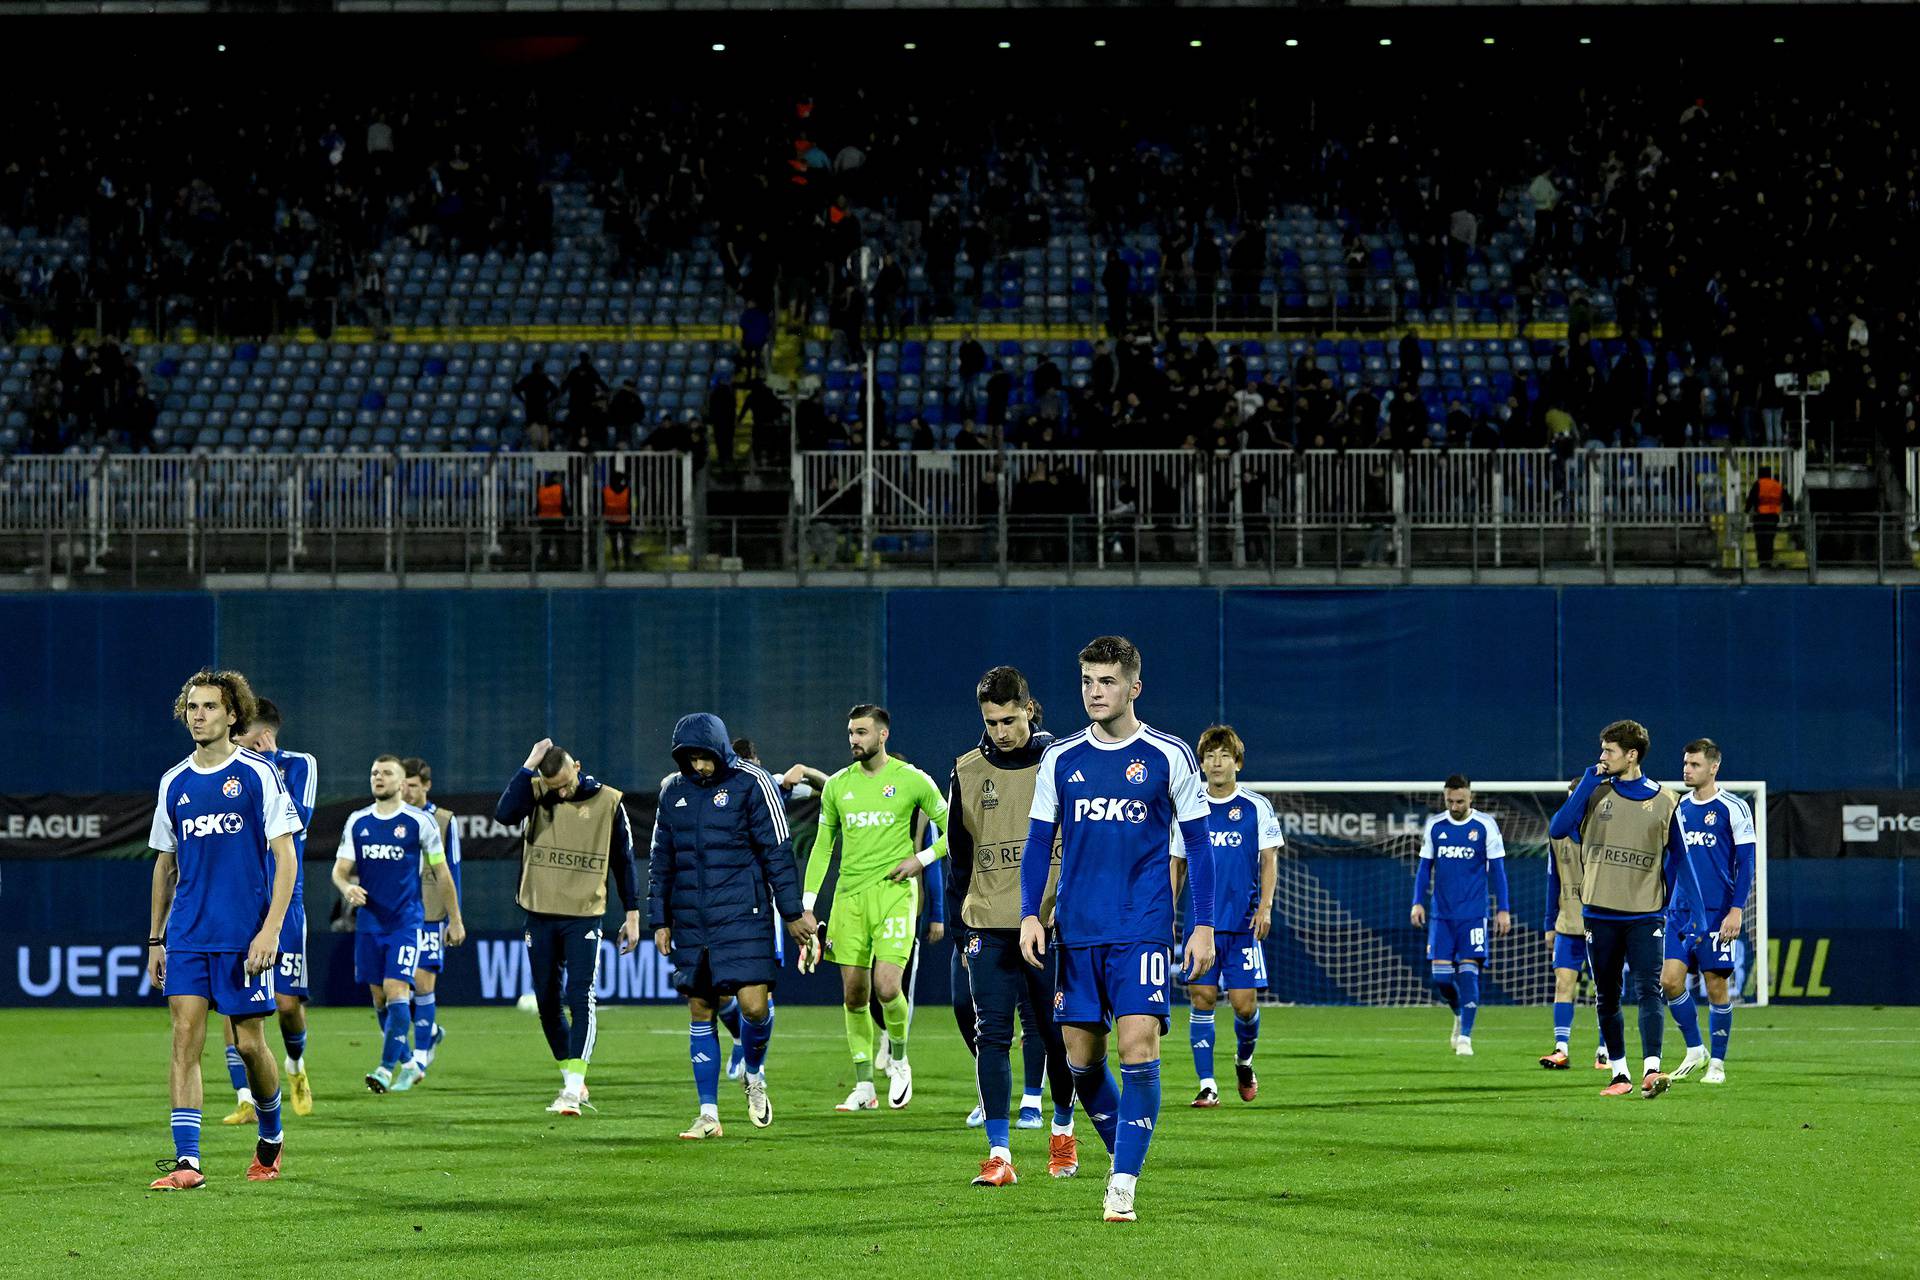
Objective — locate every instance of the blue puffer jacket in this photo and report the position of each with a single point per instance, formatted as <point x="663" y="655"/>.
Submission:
<point x="718" y="844"/>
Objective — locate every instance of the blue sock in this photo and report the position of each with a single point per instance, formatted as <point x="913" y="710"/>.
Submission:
<point x="993" y="1075"/>
<point x="296" y="1042"/>
<point x="729" y="1016"/>
<point x="268" y="1110"/>
<point x="186" y="1133"/>
<point x="1443" y="980"/>
<point x="424" y="1013"/>
<point x="1063" y="1116"/>
<point x="1099" y="1097"/>
<point x="1686" y="1016"/>
<point x="1720" y="1027"/>
<point x="703" y="1047"/>
<point x="1468" y="982"/>
<point x="393" y="1049"/>
<point x="1246" y="1035"/>
<point x="1033" y="1057"/>
<point x="1139" y="1110"/>
<point x="1200" y="1033"/>
<point x="1562" y="1022"/>
<point x="753" y="1041"/>
<point x="236" y="1069"/>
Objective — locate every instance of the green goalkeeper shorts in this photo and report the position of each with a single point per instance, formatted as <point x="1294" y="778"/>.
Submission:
<point x="875" y="923"/>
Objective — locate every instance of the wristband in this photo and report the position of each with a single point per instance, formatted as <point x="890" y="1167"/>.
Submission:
<point x="156" y="942"/>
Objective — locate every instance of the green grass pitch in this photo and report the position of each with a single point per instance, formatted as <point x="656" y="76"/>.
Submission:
<point x="1371" y="1151"/>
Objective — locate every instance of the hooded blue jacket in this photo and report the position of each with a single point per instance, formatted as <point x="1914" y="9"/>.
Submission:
<point x="719" y="844"/>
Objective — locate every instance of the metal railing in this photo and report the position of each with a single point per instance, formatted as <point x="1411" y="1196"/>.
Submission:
<point x="101" y="506"/>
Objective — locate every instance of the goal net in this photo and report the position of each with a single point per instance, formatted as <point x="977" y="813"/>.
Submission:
<point x="1340" y="930"/>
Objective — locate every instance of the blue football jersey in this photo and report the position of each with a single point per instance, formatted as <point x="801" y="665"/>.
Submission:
<point x="1240" y="826"/>
<point x="301" y="774"/>
<point x="217" y="823"/>
<point x="1712" y="836"/>
<point x="1462" y="854"/>
<point x="386" y="853"/>
<point x="1118" y="806"/>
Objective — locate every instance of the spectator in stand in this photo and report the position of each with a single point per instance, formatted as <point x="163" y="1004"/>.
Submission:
<point x="536" y="393"/>
<point x="1766" y="499"/>
<point x="889" y="285"/>
<point x="1116" y="280"/>
<point x="582" y="384"/>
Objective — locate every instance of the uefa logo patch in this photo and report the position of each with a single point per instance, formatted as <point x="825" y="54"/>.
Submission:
<point x="720" y="800"/>
<point x="1136" y="772"/>
<point x="230" y="788"/>
<point x="888" y="791"/>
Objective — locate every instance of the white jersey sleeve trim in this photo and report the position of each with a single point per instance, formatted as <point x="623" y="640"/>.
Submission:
<point x="1271" y="836"/>
<point x="160" y="835"/>
<point x="1496" y="843"/>
<point x="1426" y="836"/>
<point x="430" y="841"/>
<point x="1739" y="820"/>
<point x="1046" y="795"/>
<point x="346" y="852"/>
<point x="277" y="815"/>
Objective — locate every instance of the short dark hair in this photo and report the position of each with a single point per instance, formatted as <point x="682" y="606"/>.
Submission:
<point x="867" y="710"/>
<point x="1706" y="747"/>
<point x="743" y="747"/>
<point x="265" y="712"/>
<point x="1628" y="735"/>
<point x="553" y="762"/>
<point x="1458" y="782"/>
<point x="1107" y="650"/>
<point x="387" y="757"/>
<point x="415" y="767"/>
<point x="1006" y="685"/>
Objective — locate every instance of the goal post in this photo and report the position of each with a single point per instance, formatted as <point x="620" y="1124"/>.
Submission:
<point x="1340" y="932"/>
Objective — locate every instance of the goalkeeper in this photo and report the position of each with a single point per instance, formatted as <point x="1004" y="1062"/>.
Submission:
<point x="870" y="805"/>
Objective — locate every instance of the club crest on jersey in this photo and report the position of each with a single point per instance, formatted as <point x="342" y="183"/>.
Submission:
<point x="1474" y="836"/>
<point x="888" y="790"/>
<point x="1710" y="817"/>
<point x="719" y="799"/>
<point x="230" y="788"/>
<point x="1233" y="814"/>
<point x="400" y="831"/>
<point x="973" y="945"/>
<point x="1136" y="771"/>
<point x="1059" y="1001"/>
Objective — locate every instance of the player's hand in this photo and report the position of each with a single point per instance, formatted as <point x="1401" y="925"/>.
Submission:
<point x="1262" y="924"/>
<point x="157" y="967"/>
<point x="810" y="952"/>
<point x="794" y="776"/>
<point x="1730" y="927"/>
<point x="936" y="931"/>
<point x="1033" y="941"/>
<point x="456" y="932"/>
<point x="263" y="952"/>
<point x="802" y="927"/>
<point x="1503" y="923"/>
<point x="663" y="941"/>
<point x="540" y="748"/>
<point x="1600" y="773"/>
<point x="1418" y="916"/>
<point x="355" y="896"/>
<point x="629" y="937"/>
<point x="909" y="867"/>
<point x="1199" y="952"/>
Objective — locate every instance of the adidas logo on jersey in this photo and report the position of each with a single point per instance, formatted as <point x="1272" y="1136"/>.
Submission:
<point x="681" y="803"/>
<point x="1076" y="776"/>
<point x="183" y="799"/>
<point x="1157" y="998"/>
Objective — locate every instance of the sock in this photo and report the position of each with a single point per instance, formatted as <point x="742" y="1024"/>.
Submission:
<point x="993" y="1074"/>
<point x="186" y="1134"/>
<point x="1720" y="1028"/>
<point x="1033" y="1060"/>
<point x="1562" y="1024"/>
<point x="703" y="1046"/>
<point x="898" y="1012"/>
<point x="1099" y="1096"/>
<point x="1650" y="1063"/>
<point x="754" y="1037"/>
<point x="1246" y="1035"/>
<point x="1002" y="1150"/>
<point x="860" y="1042"/>
<point x="424" y="1013"/>
<point x="1200" y="1035"/>
<point x="1139" y="1109"/>
<point x="237" y="1074"/>
<point x="1467" y="981"/>
<point x="1686" y="1016"/>
<point x="269" y="1115"/>
<point x="729" y="1016"/>
<point x="573" y="1074"/>
<point x="296" y="1042"/>
<point x="393" y="1050"/>
<point x="1443" y="980"/>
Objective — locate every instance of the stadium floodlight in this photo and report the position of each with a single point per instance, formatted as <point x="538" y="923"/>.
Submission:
<point x="1099" y="44"/>
<point x="1345" y="878"/>
<point x="219" y="48"/>
<point x="719" y="48"/>
<point x="1006" y="44"/>
<point x="1193" y="44"/>
<point x="1486" y="40"/>
<point x="909" y="46"/>
<point x="1293" y="44"/>
<point x="1586" y="39"/>
<point x="1385" y="41"/>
